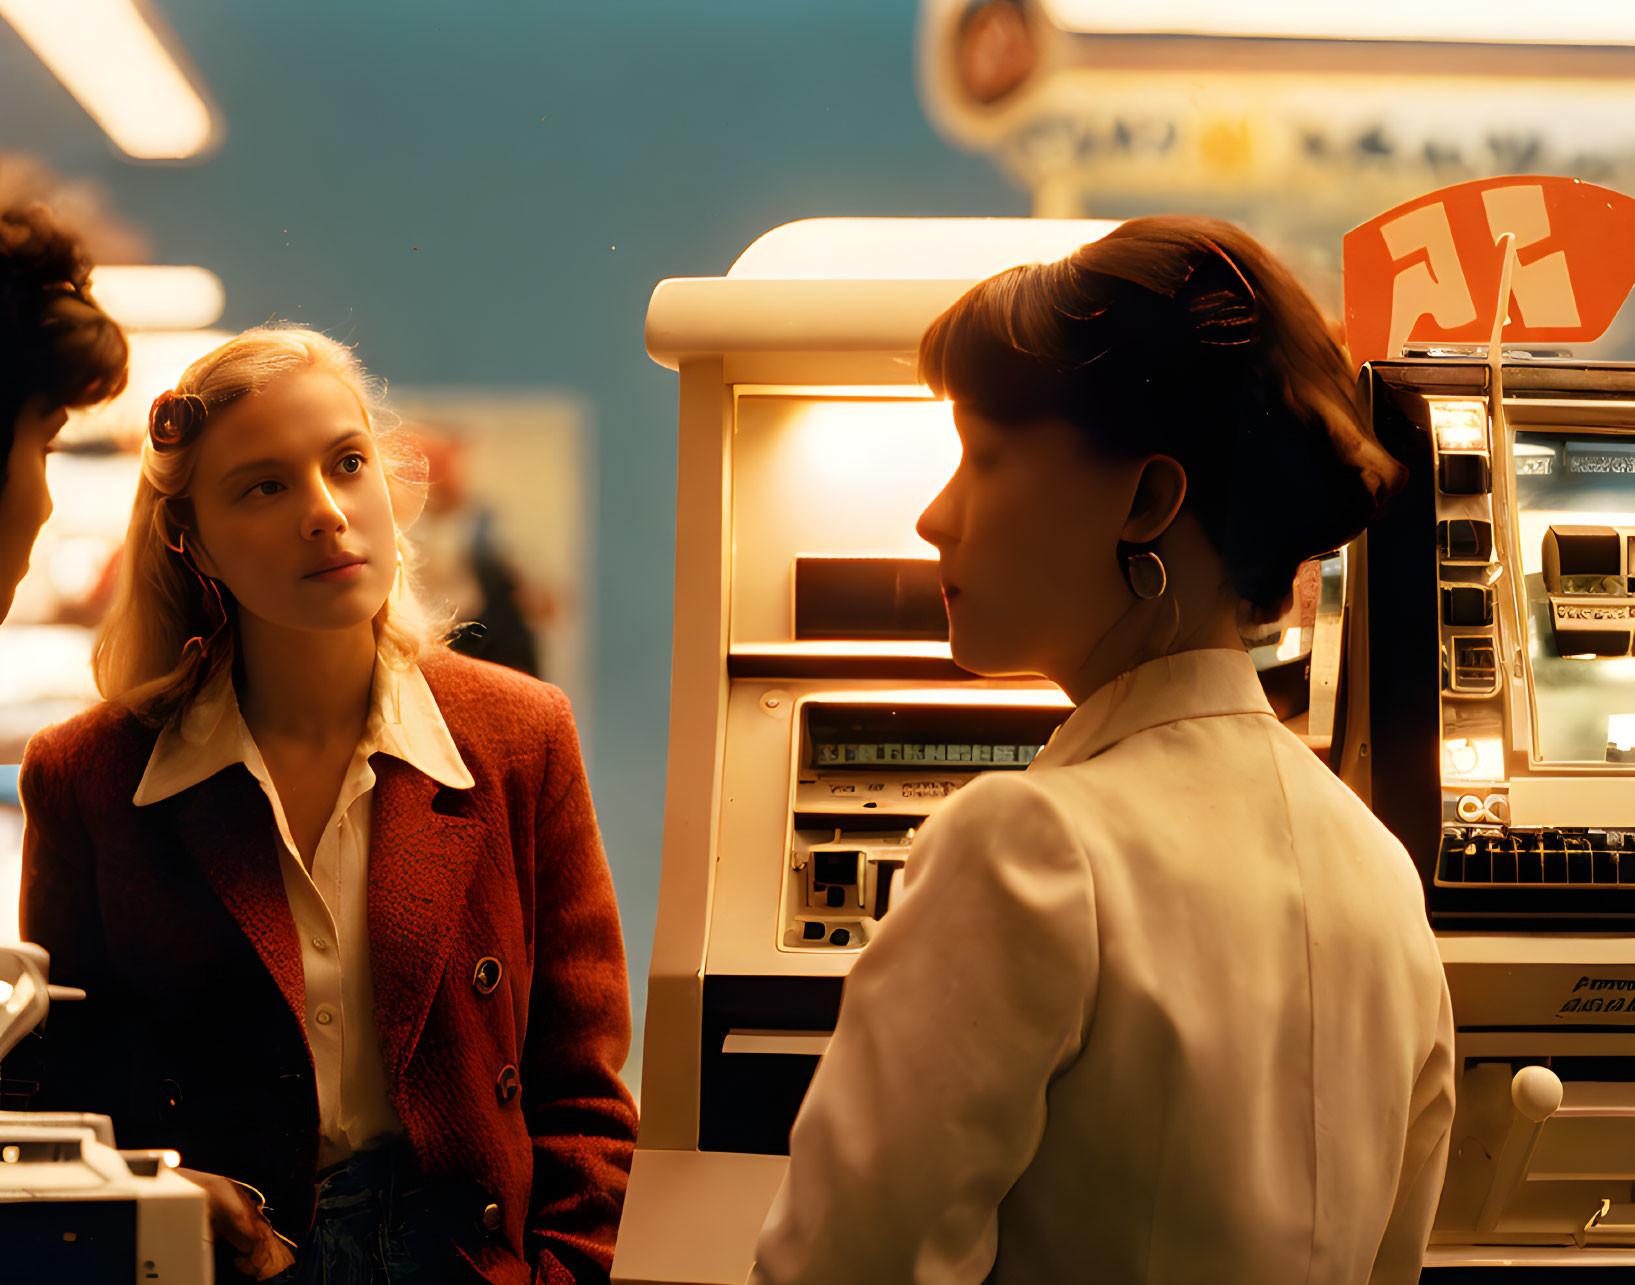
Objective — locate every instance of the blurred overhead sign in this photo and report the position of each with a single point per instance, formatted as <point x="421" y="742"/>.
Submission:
<point x="1335" y="109"/>
<point x="1430" y="270"/>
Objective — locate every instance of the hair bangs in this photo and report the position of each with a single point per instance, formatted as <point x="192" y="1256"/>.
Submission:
<point x="997" y="348"/>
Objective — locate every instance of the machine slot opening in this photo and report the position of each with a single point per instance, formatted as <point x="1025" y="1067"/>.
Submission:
<point x="980" y="738"/>
<point x="869" y="599"/>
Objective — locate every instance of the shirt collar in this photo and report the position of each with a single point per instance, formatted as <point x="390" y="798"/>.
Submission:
<point x="211" y="734"/>
<point x="1189" y="684"/>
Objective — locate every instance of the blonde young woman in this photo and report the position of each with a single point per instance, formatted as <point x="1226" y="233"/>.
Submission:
<point x="1165" y="1007"/>
<point x="335" y="893"/>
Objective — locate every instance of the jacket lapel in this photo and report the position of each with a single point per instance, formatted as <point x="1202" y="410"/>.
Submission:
<point x="420" y="864"/>
<point x="227" y="827"/>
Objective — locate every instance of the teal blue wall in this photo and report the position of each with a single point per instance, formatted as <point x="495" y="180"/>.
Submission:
<point x="443" y="185"/>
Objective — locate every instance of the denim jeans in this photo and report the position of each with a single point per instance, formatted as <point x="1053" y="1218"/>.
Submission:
<point x="380" y="1222"/>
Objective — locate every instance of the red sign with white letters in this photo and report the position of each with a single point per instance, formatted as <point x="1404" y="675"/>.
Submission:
<point x="1429" y="270"/>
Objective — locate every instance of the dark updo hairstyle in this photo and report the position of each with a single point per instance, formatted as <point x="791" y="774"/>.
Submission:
<point x="1182" y="336"/>
<point x="55" y="342"/>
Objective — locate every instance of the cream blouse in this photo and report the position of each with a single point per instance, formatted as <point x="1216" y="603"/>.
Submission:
<point x="1163" y="1008"/>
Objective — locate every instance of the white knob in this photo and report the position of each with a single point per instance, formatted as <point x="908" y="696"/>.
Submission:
<point x="1536" y="1091"/>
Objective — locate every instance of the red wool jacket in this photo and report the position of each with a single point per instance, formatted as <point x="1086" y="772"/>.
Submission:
<point x="174" y="919"/>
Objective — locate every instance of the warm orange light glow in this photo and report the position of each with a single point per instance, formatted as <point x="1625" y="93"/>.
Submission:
<point x="836" y="447"/>
<point x="1045" y="696"/>
<point x="827" y="477"/>
<point x="1477" y="758"/>
<point x="851" y="392"/>
<point x="1460" y="425"/>
<point x="836" y="647"/>
<point x="109" y="57"/>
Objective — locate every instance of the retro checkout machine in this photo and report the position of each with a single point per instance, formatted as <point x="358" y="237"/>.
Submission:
<point x="816" y="717"/>
<point x="72" y="1208"/>
<point x="1493" y="725"/>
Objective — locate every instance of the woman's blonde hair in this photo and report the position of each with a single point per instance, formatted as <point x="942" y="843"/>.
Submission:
<point x="170" y="630"/>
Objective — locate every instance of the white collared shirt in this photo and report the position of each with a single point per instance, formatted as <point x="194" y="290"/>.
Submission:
<point x="330" y="903"/>
<point x="1163" y="1008"/>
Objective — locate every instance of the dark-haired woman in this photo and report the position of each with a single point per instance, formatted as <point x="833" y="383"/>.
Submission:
<point x="58" y="350"/>
<point x="1165" y="1007"/>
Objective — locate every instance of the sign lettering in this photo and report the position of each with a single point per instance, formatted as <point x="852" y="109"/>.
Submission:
<point x="1601" y="995"/>
<point x="1429" y="270"/>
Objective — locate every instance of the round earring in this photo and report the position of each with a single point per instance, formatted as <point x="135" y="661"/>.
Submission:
<point x="1145" y="574"/>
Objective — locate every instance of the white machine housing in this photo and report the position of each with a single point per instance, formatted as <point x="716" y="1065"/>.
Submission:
<point x="72" y="1207"/>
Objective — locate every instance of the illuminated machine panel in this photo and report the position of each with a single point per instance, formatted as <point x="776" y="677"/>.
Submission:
<point x="1512" y="548"/>
<point x="1494" y="737"/>
<point x="1492" y="687"/>
<point x="823" y="481"/>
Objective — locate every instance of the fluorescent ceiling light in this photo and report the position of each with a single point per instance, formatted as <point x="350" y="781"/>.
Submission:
<point x="144" y="297"/>
<point x="1526" y="22"/>
<point x="109" y="56"/>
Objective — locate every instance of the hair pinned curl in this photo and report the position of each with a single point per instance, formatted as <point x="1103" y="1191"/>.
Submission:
<point x="171" y="629"/>
<point x="1220" y="305"/>
<point x="175" y="417"/>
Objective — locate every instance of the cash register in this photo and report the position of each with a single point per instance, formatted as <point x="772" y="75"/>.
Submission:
<point x="1491" y="725"/>
<point x="72" y="1206"/>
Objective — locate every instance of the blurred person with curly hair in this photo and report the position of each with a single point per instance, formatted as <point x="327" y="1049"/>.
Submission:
<point x="58" y="351"/>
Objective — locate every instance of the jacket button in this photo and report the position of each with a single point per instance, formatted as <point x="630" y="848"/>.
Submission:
<point x="487" y="976"/>
<point x="507" y="1083"/>
<point x="491" y="1218"/>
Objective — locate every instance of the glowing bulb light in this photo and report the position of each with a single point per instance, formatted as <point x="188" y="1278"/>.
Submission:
<point x="1460" y="425"/>
<point x="159" y="297"/>
<point x="1476" y="758"/>
<point x="109" y="56"/>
